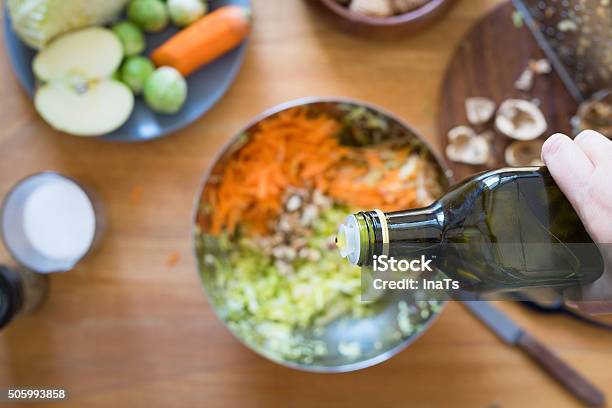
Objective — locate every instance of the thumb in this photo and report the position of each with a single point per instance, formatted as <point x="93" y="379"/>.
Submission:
<point x="568" y="165"/>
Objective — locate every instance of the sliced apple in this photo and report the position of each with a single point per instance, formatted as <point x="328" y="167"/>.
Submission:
<point x="90" y="53"/>
<point x="93" y="109"/>
<point x="78" y="95"/>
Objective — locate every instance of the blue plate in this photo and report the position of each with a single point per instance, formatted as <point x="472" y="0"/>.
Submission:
<point x="206" y="86"/>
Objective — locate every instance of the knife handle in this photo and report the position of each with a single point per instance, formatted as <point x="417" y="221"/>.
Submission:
<point x="563" y="373"/>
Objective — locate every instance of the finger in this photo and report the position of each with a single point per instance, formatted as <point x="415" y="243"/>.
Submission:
<point x="568" y="165"/>
<point x="596" y="146"/>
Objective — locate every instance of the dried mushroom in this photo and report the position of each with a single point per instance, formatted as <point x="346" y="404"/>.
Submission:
<point x="479" y="110"/>
<point x="405" y="6"/>
<point x="460" y="132"/>
<point x="524" y="153"/>
<point x="540" y="66"/>
<point x="520" y="119"/>
<point x="374" y="8"/>
<point x="465" y="146"/>
<point x="596" y="114"/>
<point x="383" y="8"/>
<point x="525" y="81"/>
<point x="534" y="67"/>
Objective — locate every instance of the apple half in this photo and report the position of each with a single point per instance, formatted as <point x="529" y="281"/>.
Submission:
<point x="100" y="108"/>
<point x="78" y="95"/>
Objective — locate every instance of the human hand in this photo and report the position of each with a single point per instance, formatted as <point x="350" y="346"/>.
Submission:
<point x="583" y="170"/>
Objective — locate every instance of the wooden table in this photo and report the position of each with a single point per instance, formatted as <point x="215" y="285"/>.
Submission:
<point x="131" y="328"/>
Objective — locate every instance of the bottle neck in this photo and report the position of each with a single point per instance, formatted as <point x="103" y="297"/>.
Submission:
<point x="371" y="233"/>
<point x="420" y="226"/>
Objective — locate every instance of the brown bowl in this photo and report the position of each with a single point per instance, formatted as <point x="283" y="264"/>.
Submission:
<point x="402" y="23"/>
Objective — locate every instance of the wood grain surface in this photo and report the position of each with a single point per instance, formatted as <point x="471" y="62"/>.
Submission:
<point x="487" y="62"/>
<point x="131" y="326"/>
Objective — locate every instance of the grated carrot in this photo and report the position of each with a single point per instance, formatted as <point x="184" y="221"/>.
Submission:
<point x="296" y="148"/>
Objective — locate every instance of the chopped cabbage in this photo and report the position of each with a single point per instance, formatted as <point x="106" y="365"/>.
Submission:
<point x="283" y="313"/>
<point x="38" y="21"/>
<point x="268" y="307"/>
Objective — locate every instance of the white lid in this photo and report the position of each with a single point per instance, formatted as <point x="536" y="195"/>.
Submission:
<point x="48" y="223"/>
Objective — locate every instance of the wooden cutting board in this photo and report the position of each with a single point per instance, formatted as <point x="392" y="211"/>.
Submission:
<point x="487" y="62"/>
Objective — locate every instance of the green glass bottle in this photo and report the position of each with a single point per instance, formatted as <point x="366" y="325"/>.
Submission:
<point x="499" y="230"/>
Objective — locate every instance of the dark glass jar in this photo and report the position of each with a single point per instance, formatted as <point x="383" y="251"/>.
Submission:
<point x="21" y="292"/>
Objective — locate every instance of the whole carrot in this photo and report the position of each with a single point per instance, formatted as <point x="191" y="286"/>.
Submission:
<point x="205" y="40"/>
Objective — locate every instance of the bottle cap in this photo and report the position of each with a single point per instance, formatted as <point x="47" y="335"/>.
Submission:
<point x="348" y="240"/>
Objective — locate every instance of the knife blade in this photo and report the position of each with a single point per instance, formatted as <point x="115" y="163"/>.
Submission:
<point x="499" y="323"/>
<point x="513" y="334"/>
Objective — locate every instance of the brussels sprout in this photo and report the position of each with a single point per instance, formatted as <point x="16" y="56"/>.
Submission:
<point x="135" y="71"/>
<point x="150" y="15"/>
<point x="165" y="91"/>
<point x="131" y="37"/>
<point x="185" y="12"/>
